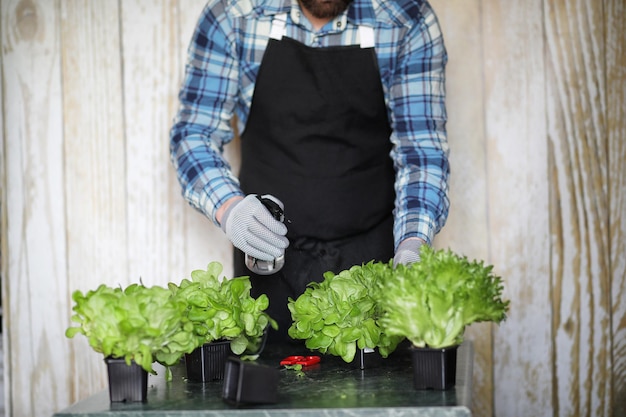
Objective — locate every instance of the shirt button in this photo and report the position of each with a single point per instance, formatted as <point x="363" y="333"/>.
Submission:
<point x="338" y="24"/>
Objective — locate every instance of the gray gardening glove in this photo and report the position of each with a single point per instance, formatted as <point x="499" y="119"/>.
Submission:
<point x="408" y="252"/>
<point x="251" y="227"/>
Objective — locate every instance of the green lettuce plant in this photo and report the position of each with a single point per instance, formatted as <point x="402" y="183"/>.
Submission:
<point x="432" y="301"/>
<point x="223" y="309"/>
<point x="157" y="324"/>
<point x="341" y="313"/>
<point x="137" y="323"/>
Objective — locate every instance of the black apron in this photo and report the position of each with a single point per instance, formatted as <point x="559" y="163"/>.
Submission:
<point x="317" y="138"/>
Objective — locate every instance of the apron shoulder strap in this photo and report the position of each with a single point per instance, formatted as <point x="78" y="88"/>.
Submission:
<point x="366" y="36"/>
<point x="278" y="26"/>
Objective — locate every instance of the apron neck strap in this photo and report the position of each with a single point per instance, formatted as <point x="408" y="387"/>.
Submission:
<point x="278" y="26"/>
<point x="279" y="23"/>
<point x="366" y="36"/>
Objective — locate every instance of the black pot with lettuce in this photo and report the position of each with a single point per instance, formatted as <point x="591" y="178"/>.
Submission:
<point x="132" y="328"/>
<point x="341" y="315"/>
<point x="431" y="302"/>
<point x="225" y="318"/>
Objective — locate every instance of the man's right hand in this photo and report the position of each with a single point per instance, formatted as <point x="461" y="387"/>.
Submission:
<point x="251" y="227"/>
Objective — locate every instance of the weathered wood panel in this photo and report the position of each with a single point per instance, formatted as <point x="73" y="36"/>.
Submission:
<point x="34" y="266"/>
<point x="518" y="204"/>
<point x="579" y="207"/>
<point x="536" y="99"/>
<point x="615" y="55"/>
<point x="466" y="230"/>
<point x="150" y="57"/>
<point x="95" y="169"/>
<point x="4" y="391"/>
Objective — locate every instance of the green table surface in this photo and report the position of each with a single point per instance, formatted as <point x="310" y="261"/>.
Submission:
<point x="332" y="388"/>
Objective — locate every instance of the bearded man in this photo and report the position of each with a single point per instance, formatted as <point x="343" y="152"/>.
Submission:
<point x="341" y="110"/>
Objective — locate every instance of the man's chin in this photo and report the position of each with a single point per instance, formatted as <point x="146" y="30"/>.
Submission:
<point x="324" y="9"/>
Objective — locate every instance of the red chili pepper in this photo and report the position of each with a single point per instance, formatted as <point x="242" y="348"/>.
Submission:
<point x="300" y="360"/>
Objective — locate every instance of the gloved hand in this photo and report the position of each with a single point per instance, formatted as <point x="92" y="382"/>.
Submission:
<point x="408" y="252"/>
<point x="251" y="227"/>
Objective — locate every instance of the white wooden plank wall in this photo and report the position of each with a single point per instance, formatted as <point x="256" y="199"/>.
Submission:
<point x="518" y="203"/>
<point x="95" y="172"/>
<point x="3" y="243"/>
<point x="614" y="17"/>
<point x="150" y="67"/>
<point x="580" y="265"/>
<point x="34" y="279"/>
<point x="467" y="227"/>
<point x="537" y="124"/>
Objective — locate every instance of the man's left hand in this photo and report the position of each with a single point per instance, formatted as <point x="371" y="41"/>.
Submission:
<point x="408" y="251"/>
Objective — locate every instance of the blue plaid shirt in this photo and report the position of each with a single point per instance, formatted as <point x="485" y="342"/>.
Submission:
<point x="224" y="59"/>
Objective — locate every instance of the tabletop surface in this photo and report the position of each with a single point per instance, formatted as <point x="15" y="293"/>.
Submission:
<point x="330" y="388"/>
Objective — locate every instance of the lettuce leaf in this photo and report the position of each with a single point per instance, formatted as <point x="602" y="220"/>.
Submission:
<point x="157" y="324"/>
<point x="341" y="313"/>
<point x="432" y="301"/>
<point x="223" y="309"/>
<point x="138" y="323"/>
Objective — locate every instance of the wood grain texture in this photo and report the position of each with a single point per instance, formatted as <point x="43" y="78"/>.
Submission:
<point x="615" y="50"/>
<point x="579" y="210"/>
<point x="5" y="392"/>
<point x="518" y="204"/>
<point x="34" y="286"/>
<point x="537" y="122"/>
<point x="466" y="230"/>
<point x="95" y="165"/>
<point x="4" y="246"/>
<point x="150" y="55"/>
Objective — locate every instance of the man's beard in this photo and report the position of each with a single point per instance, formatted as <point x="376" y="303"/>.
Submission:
<point x="324" y="9"/>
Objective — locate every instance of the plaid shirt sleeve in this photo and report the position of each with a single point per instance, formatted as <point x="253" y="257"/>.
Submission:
<point x="416" y="95"/>
<point x="203" y="124"/>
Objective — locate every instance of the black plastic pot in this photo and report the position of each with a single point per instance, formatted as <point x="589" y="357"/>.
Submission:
<point x="207" y="362"/>
<point x="434" y="368"/>
<point x="367" y="359"/>
<point x="127" y="383"/>
<point x="249" y="383"/>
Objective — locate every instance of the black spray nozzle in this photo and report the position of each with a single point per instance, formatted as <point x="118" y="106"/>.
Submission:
<point x="273" y="207"/>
